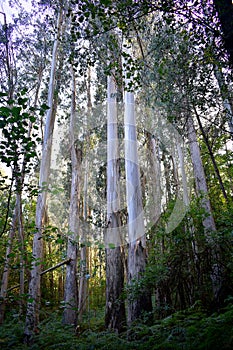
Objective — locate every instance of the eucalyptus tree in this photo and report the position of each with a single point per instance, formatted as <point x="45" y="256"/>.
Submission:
<point x="18" y="149"/>
<point x="137" y="304"/>
<point x="192" y="80"/>
<point x="23" y="109"/>
<point x="32" y="316"/>
<point x="178" y="37"/>
<point x="83" y="214"/>
<point x="71" y="290"/>
<point x="115" y="309"/>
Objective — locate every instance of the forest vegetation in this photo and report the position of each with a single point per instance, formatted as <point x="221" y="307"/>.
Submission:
<point x="116" y="167"/>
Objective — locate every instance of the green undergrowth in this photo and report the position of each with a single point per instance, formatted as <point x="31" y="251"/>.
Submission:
<point x="190" y="329"/>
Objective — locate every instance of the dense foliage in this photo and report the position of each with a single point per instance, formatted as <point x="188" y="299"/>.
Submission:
<point x="188" y="330"/>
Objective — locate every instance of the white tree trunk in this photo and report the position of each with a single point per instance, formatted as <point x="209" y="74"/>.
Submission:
<point x="183" y="173"/>
<point x="199" y="176"/>
<point x="216" y="274"/>
<point x="156" y="176"/>
<point x="136" y="231"/>
<point x="32" y="315"/>
<point x="83" y="281"/>
<point x="21" y="248"/>
<point x="115" y="309"/>
<point x="71" y="288"/>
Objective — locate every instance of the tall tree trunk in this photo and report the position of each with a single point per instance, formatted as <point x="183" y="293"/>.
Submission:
<point x="137" y="304"/>
<point x="17" y="218"/>
<point x="183" y="173"/>
<point x="208" y="220"/>
<point x="153" y="145"/>
<point x="205" y="137"/>
<point x="32" y="315"/>
<point x="83" y="281"/>
<point x="6" y="267"/>
<point x="115" y="309"/>
<point x="199" y="176"/>
<point x="21" y="250"/>
<point x="71" y="286"/>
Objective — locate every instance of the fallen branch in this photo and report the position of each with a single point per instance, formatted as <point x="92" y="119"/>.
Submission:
<point x="67" y="261"/>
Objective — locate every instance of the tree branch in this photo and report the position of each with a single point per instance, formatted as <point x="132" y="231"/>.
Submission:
<point x="67" y="261"/>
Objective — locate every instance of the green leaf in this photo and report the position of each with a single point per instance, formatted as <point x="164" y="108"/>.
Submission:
<point x="111" y="246"/>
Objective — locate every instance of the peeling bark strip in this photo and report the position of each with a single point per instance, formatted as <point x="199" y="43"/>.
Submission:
<point x="115" y="317"/>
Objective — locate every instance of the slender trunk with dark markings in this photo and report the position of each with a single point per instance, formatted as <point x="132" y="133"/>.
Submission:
<point x="205" y="137"/>
<point x="199" y="176"/>
<point x="83" y="281"/>
<point x="71" y="286"/>
<point x="32" y="315"/>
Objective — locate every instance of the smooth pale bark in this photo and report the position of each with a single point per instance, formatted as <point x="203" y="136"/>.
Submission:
<point x="199" y="176"/>
<point x="71" y="286"/>
<point x="167" y="182"/>
<point x="189" y="226"/>
<point x="175" y="175"/>
<point x="83" y="281"/>
<point x="156" y="176"/>
<point x="21" y="249"/>
<point x="115" y="318"/>
<point x="208" y="220"/>
<point x="212" y="157"/>
<point x="183" y="173"/>
<point x="32" y="315"/>
<point x="137" y="304"/>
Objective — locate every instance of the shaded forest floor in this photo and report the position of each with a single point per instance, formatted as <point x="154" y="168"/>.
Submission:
<point x="191" y="329"/>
